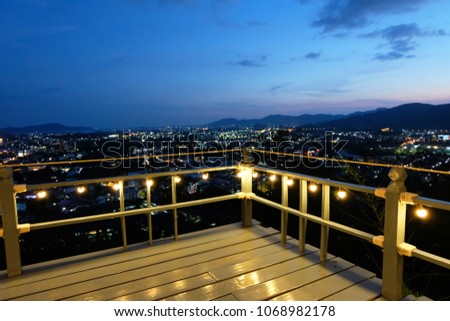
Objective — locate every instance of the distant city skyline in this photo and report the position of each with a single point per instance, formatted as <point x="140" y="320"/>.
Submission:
<point x="143" y="63"/>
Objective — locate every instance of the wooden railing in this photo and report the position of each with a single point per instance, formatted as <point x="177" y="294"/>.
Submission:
<point x="393" y="241"/>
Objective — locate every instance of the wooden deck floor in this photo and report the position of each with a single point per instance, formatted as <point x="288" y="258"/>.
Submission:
<point x="224" y="263"/>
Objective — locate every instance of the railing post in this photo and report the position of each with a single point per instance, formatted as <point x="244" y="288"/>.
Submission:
<point x="174" y="211"/>
<point x="325" y="229"/>
<point x="284" y="202"/>
<point x="149" y="215"/>
<point x="123" y="223"/>
<point x="10" y="222"/>
<point x="303" y="207"/>
<point x="394" y="234"/>
<point x="246" y="187"/>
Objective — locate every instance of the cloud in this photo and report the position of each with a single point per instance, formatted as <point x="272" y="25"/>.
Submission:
<point x="354" y="14"/>
<point x="400" y="39"/>
<point x="274" y="89"/>
<point x="312" y="56"/>
<point x="252" y="63"/>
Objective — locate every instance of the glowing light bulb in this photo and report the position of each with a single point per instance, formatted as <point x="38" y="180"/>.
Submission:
<point x="341" y="194"/>
<point x="273" y="178"/>
<point x="255" y="174"/>
<point x="149" y="183"/>
<point x="116" y="186"/>
<point x="177" y="179"/>
<point x="205" y="176"/>
<point x="41" y="194"/>
<point x="421" y="212"/>
<point x="81" y="189"/>
<point x="313" y="187"/>
<point x="290" y="182"/>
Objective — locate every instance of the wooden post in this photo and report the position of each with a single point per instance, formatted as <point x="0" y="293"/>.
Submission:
<point x="149" y="215"/>
<point x="325" y="229"/>
<point x="10" y="222"/>
<point x="394" y="234"/>
<point x="123" y="223"/>
<point x="246" y="187"/>
<point x="174" y="211"/>
<point x="303" y="206"/>
<point x="284" y="202"/>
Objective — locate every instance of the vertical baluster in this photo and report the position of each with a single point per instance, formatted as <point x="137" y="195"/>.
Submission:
<point x="246" y="187"/>
<point x="149" y="214"/>
<point x="123" y="223"/>
<point x="303" y="206"/>
<point x="325" y="229"/>
<point x="174" y="211"/>
<point x="284" y="202"/>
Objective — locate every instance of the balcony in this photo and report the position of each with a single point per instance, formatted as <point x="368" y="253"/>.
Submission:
<point x="241" y="261"/>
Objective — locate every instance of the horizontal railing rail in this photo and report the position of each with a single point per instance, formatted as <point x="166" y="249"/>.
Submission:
<point x="395" y="195"/>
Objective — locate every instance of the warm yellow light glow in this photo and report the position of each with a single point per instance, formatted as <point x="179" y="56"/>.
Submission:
<point x="177" y="179"/>
<point x="273" y="178"/>
<point x="81" y="189"/>
<point x="341" y="194"/>
<point x="149" y="183"/>
<point x="116" y="186"/>
<point x="240" y="174"/>
<point x="290" y="182"/>
<point x="205" y="176"/>
<point x="255" y="174"/>
<point x="41" y="194"/>
<point x="313" y="187"/>
<point x="421" y="212"/>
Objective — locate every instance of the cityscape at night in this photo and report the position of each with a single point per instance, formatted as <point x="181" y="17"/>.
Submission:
<point x="200" y="150"/>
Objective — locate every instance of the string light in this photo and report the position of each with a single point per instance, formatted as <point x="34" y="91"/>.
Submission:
<point x="41" y="194"/>
<point x="255" y="174"/>
<point x="421" y="212"/>
<point x="81" y="189"/>
<point x="273" y="178"/>
<point x="205" y="176"/>
<point x="240" y="174"/>
<point x="290" y="182"/>
<point x="341" y="194"/>
<point x="177" y="179"/>
<point x="149" y="183"/>
<point x="313" y="187"/>
<point x="116" y="186"/>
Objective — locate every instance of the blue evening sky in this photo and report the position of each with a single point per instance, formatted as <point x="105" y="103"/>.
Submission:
<point x="120" y="63"/>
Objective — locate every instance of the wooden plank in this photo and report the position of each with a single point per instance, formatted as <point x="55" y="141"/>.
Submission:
<point x="285" y="283"/>
<point x="123" y="273"/>
<point x="67" y="266"/>
<point x="228" y="297"/>
<point x="181" y="273"/>
<point x="168" y="289"/>
<point x="367" y="290"/>
<point x="327" y="286"/>
<point x="258" y="263"/>
<point x="236" y="283"/>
